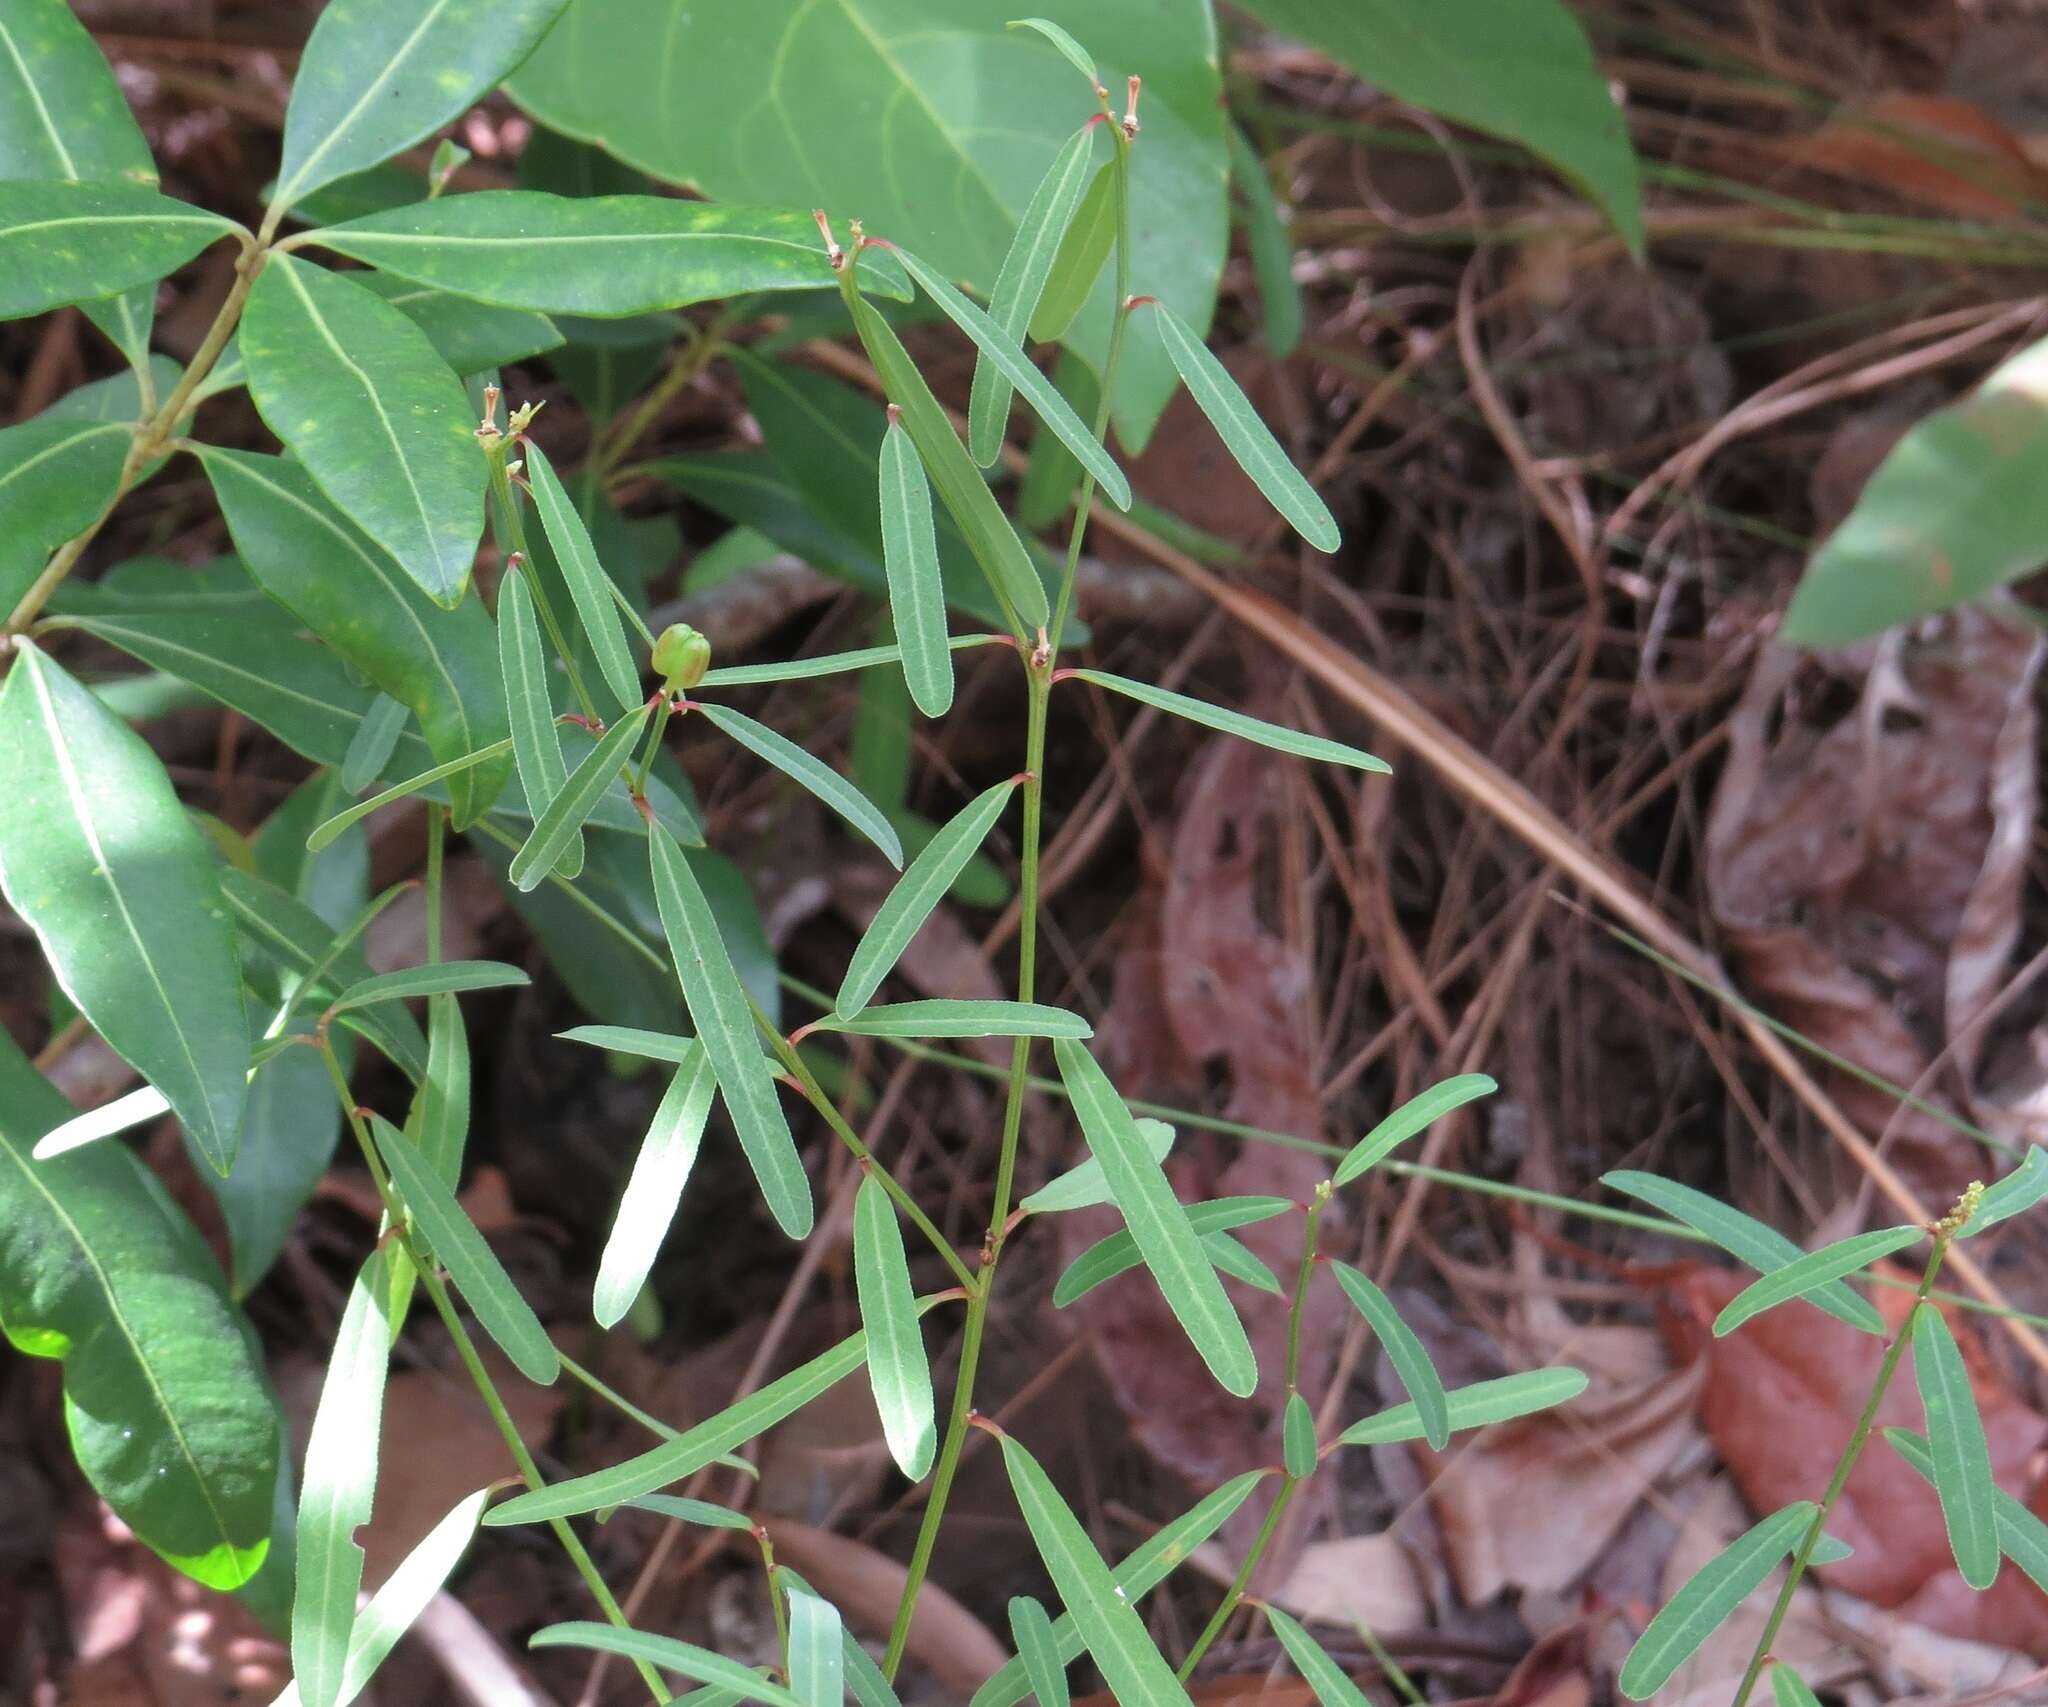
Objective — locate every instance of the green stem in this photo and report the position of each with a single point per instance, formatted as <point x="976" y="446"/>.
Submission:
<point x="657" y="726"/>
<point x="508" y="526"/>
<point x="778" y="1603"/>
<point x="1847" y="1463"/>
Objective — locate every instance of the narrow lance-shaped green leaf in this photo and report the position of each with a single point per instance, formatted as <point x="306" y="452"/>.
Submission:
<point x="1090" y="237"/>
<point x="438" y="1120"/>
<point x="817" y="1662"/>
<point x="2019" y="1191"/>
<point x="1748" y="1240"/>
<point x="536" y="742"/>
<point x="605" y="257"/>
<point x="898" y="1369"/>
<point x="1082" y="1186"/>
<point x="1139" y="1573"/>
<point x="566" y="814"/>
<point x="1709" y="1596"/>
<point x="329" y="830"/>
<point x="949" y="1017"/>
<point x="1248" y="439"/>
<point x="460" y="1248"/>
<point x="691" y="1450"/>
<point x="100" y="860"/>
<point x="377" y="417"/>
<point x="1410" y="1118"/>
<point x="1318" y="1670"/>
<point x="692" y="1511"/>
<point x="669" y="1654"/>
<point x="654" y="1188"/>
<point x="1790" y="1688"/>
<point x="1111" y="1630"/>
<point x="164" y="1398"/>
<point x="1298" y="1437"/>
<point x="1001" y="350"/>
<point x="1811" y="1272"/>
<point x="1404" y="1351"/>
<point x="864" y="1679"/>
<point x="1080" y="59"/>
<point x="811" y="773"/>
<point x="829" y="664"/>
<point x="910" y="553"/>
<point x="371" y="746"/>
<point x="396" y="1607"/>
<point x="2022" y="1537"/>
<point x="1021" y="282"/>
<point x="1482" y="1403"/>
<point x="339" y="1485"/>
<point x="378" y="75"/>
<point x="1031" y="1630"/>
<point x="1118" y="1253"/>
<point x="72" y="242"/>
<point x="919" y="890"/>
<point x="725" y="1025"/>
<point x="1158" y="1223"/>
<point x="589" y="586"/>
<point x="988" y="532"/>
<point x="1236" y="723"/>
<point x="1962" y="1458"/>
<point x="442" y="977"/>
<point x="1265" y="229"/>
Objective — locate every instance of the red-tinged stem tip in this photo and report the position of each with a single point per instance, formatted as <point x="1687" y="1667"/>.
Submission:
<point x="1132" y="86"/>
<point x="833" y="253"/>
<point x="895" y="414"/>
<point x="1131" y="302"/>
<point x="646" y="811"/>
<point x="803" y="1031"/>
<point x="987" y="1425"/>
<point x="1095" y="119"/>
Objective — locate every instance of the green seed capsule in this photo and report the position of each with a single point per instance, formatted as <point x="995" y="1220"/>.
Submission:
<point x="681" y="656"/>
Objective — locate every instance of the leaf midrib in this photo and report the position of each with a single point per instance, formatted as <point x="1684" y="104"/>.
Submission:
<point x="286" y="195"/>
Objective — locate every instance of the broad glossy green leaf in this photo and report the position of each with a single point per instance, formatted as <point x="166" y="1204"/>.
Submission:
<point x="1746" y="1239"/>
<point x="76" y="242"/>
<point x="654" y="1188"/>
<point x="1707" y="1599"/>
<point x="441" y="663"/>
<point x="1082" y="1186"/>
<point x="470" y="336"/>
<point x="396" y="1607"/>
<point x="1298" y="1437"/>
<point x="898" y="1369"/>
<point x="691" y="1450"/>
<point x="1110" y="1629"/>
<point x="56" y="476"/>
<point x="589" y="587"/>
<point x="1524" y="72"/>
<point x="1021" y="282"/>
<point x="2022" y="1537"/>
<point x="1955" y="1437"/>
<point x="1404" y="1350"/>
<point x="1038" y="1650"/>
<point x="1011" y="363"/>
<point x="915" y="894"/>
<point x="947" y="1017"/>
<point x="377" y="75"/>
<point x="339" y="1485"/>
<point x="725" y="1025"/>
<point x="1165" y="1237"/>
<point x="1790" y="1688"/>
<point x="1957" y="509"/>
<point x="371" y="746"/>
<point x="1140" y="1572"/>
<point x="989" y="534"/>
<point x="811" y="773"/>
<point x="1090" y="236"/>
<point x="683" y="1658"/>
<point x="1075" y="55"/>
<point x="601" y="256"/>
<point x="164" y="1397"/>
<point x="1322" y="1674"/>
<point x="1266" y="235"/>
<point x="377" y="417"/>
<point x="1811" y="1272"/>
<point x="944" y="123"/>
<point x="564" y="817"/>
<point x="530" y="706"/>
<point x="1248" y="439"/>
<point x="817" y="1663"/>
<point x="917" y="594"/>
<point x="1482" y="1403"/>
<point x="1236" y="723"/>
<point x="100" y="860"/>
<point x="442" y="977"/>
<point x="1410" y="1118"/>
<point x="1118" y="1253"/>
<point x="460" y="1248"/>
<point x="2018" y="1192"/>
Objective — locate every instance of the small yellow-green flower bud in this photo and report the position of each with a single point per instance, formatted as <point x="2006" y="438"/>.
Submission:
<point x="681" y="656"/>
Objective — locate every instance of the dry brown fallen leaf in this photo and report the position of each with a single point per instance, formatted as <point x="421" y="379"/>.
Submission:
<point x="1933" y="150"/>
<point x="1866" y="854"/>
<point x="1558" y="1672"/>
<point x="1779" y="1400"/>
